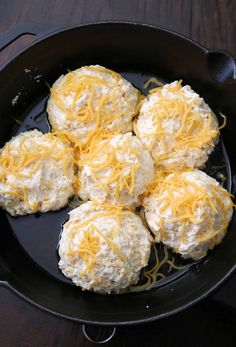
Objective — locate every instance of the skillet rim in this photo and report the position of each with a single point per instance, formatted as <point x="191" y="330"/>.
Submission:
<point x="41" y="37"/>
<point x="48" y="34"/>
<point x="152" y="319"/>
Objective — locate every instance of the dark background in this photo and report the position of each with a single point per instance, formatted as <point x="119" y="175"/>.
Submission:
<point x="210" y="323"/>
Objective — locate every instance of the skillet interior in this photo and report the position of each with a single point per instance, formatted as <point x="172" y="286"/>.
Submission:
<point x="138" y="51"/>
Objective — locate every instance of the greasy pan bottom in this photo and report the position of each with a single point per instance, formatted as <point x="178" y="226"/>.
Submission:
<point x="28" y="254"/>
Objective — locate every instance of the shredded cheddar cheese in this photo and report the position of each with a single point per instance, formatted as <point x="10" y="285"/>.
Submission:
<point x="23" y="161"/>
<point x="109" y="166"/>
<point x="184" y="197"/>
<point x="97" y="108"/>
<point x="90" y="243"/>
<point x="88" y="249"/>
<point x="193" y="131"/>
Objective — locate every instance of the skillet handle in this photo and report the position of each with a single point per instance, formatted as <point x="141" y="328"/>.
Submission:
<point x="4" y="271"/>
<point x="99" y="335"/>
<point x="20" y="29"/>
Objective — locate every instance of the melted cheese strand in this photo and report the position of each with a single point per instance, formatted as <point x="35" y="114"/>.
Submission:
<point x="156" y="272"/>
<point x="152" y="80"/>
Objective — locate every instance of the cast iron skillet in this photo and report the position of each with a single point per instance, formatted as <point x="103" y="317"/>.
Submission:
<point x="138" y="51"/>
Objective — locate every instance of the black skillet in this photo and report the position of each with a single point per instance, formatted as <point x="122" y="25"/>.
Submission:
<point x="28" y="257"/>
